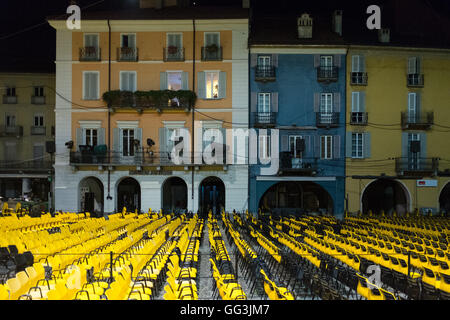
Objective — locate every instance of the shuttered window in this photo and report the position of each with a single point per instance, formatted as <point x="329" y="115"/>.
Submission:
<point x="91" y="85"/>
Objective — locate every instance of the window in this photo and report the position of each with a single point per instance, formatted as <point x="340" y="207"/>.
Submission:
<point x="91" y="85"/>
<point x="128" y="41"/>
<point x="412" y="107"/>
<point x="212" y="85"/>
<point x="38" y="120"/>
<point x="10" y="120"/>
<point x="91" y="50"/>
<point x="128" y="81"/>
<point x="295" y="146"/>
<point x="413" y="65"/>
<point x="174" y="80"/>
<point x="90" y="137"/>
<point x="91" y="40"/>
<point x="264" y="102"/>
<point x="127" y="142"/>
<point x="326" y="62"/>
<point x="11" y="91"/>
<point x="413" y="150"/>
<point x="264" y="147"/>
<point x="357" y="145"/>
<point x="326" y="147"/>
<point x="174" y="46"/>
<point x="38" y="91"/>
<point x="212" y="38"/>
<point x="326" y="107"/>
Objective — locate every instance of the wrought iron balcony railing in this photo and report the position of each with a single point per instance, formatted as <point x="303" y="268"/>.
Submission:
<point x="265" y="73"/>
<point x="358" y="78"/>
<point x="417" y="121"/>
<point x="173" y="54"/>
<point x="263" y="119"/>
<point x="35" y="130"/>
<point x="358" y="118"/>
<point x="327" y="73"/>
<point x="9" y="99"/>
<point x="290" y="165"/>
<point x="416" y="166"/>
<point x="38" y="99"/>
<point x="90" y="54"/>
<point x="415" y="80"/>
<point x="11" y="131"/>
<point x="127" y="54"/>
<point x="327" y="119"/>
<point x="38" y="165"/>
<point x="212" y="53"/>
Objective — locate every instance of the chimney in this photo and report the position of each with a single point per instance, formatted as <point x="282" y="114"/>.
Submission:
<point x="246" y="4"/>
<point x="384" y="35"/>
<point x="304" y="26"/>
<point x="337" y="21"/>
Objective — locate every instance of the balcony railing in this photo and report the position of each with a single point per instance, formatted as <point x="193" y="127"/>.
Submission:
<point x="173" y="54"/>
<point x="329" y="119"/>
<point x="265" y="73"/>
<point x="415" y="80"/>
<point x="416" y="166"/>
<point x="127" y="54"/>
<point x="38" y="99"/>
<point x="289" y="165"/>
<point x="141" y="158"/>
<point x="9" y="99"/>
<point x="358" y="78"/>
<point x="358" y="118"/>
<point x="264" y="119"/>
<point x="38" y="131"/>
<point x="90" y="54"/>
<point x="155" y="99"/>
<point x="417" y="121"/>
<point x="212" y="53"/>
<point x="11" y="131"/>
<point x="327" y="73"/>
<point x="20" y="165"/>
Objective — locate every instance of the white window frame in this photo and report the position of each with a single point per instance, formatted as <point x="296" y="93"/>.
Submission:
<point x="84" y="84"/>
<point x="39" y="90"/>
<point x="326" y="141"/>
<point x="176" y="33"/>
<point x="295" y="139"/>
<point x="11" y="115"/>
<point x="128" y="34"/>
<point x="355" y="101"/>
<point x="207" y="72"/>
<point x="328" y="59"/>
<point x="38" y="115"/>
<point x="264" y="147"/>
<point x="135" y="79"/>
<point x="265" y="108"/>
<point x="358" y="67"/>
<point x="175" y="71"/>
<point x="91" y="34"/>
<point x="204" y="38"/>
<point x="412" y="109"/>
<point x="359" y="146"/>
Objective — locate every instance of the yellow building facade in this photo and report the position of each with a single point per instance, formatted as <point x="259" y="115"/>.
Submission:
<point x="398" y="128"/>
<point x="205" y="58"/>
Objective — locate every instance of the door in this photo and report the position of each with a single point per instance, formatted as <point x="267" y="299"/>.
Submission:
<point x="127" y="142"/>
<point x="326" y="107"/>
<point x="412" y="107"/>
<point x="264" y="108"/>
<point x="413" y="153"/>
<point x="296" y="143"/>
<point x="264" y="66"/>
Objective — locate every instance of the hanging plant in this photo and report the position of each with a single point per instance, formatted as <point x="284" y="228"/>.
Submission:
<point x="172" y="49"/>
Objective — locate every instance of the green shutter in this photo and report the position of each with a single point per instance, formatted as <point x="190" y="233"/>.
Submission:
<point x="162" y="140"/>
<point x="163" y="81"/>
<point x="184" y="81"/>
<point x="222" y="85"/>
<point x="348" y="144"/>
<point x="423" y="145"/>
<point x="201" y="85"/>
<point x="116" y="139"/>
<point x="101" y="136"/>
<point x="362" y="101"/>
<point x="79" y="138"/>
<point x="367" y="145"/>
<point x="404" y="144"/>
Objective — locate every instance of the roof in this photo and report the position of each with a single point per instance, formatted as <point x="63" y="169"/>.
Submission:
<point x="168" y="13"/>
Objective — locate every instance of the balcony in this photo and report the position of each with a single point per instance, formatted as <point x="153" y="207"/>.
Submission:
<point x="415" y="80"/>
<point x="417" y="121"/>
<point x="358" y="118"/>
<point x="90" y="54"/>
<point x="264" y="119"/>
<point x="212" y="53"/>
<point x="126" y="54"/>
<point x="327" y="74"/>
<point x="9" y="99"/>
<point x="173" y="53"/>
<point x="158" y="100"/>
<point x="37" y="99"/>
<point x="11" y="131"/>
<point x="37" y="131"/>
<point x="416" y="167"/>
<point x="327" y="120"/>
<point x="265" y="73"/>
<point x="26" y="166"/>
<point x="358" y="78"/>
<point x="296" y="166"/>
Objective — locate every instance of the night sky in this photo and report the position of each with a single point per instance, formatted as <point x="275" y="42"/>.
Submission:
<point x="27" y="41"/>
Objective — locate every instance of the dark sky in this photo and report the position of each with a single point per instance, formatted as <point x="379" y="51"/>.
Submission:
<point x="27" y="41"/>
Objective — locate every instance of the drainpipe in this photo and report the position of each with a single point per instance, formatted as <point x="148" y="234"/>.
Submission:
<point x="193" y="115"/>
<point x="109" y="112"/>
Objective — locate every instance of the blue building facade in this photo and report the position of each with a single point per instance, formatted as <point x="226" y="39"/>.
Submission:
<point x="298" y="93"/>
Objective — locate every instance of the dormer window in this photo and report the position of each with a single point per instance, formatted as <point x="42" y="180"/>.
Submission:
<point x="304" y="25"/>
